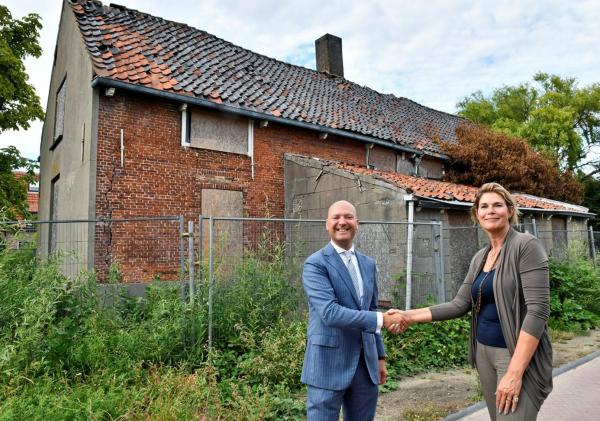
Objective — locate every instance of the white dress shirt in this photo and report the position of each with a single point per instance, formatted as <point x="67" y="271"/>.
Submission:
<point x="342" y="252"/>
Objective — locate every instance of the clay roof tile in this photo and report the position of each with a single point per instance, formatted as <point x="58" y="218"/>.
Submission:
<point x="204" y="63"/>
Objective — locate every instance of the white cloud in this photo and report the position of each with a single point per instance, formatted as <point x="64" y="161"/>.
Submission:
<point x="432" y="52"/>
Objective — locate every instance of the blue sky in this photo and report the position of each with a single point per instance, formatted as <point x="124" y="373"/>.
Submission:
<point x="433" y="52"/>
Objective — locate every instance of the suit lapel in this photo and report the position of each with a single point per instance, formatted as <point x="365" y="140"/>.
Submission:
<point x="336" y="261"/>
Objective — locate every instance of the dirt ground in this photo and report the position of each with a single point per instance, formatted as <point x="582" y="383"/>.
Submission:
<point x="432" y="396"/>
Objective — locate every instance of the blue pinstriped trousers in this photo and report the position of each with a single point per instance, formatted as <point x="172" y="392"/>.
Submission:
<point x="359" y="400"/>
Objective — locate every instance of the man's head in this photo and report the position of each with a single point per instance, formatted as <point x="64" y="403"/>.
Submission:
<point x="342" y="223"/>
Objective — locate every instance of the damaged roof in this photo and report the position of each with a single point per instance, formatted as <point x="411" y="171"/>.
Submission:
<point x="140" y="49"/>
<point x="450" y="193"/>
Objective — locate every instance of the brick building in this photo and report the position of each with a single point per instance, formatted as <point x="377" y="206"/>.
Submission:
<point x="149" y="117"/>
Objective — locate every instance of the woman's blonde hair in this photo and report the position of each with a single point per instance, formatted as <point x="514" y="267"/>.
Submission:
<point x="498" y="189"/>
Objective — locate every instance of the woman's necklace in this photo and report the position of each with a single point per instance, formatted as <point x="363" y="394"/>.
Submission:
<point x="480" y="289"/>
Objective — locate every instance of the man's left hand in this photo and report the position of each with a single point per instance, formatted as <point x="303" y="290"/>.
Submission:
<point x="382" y="372"/>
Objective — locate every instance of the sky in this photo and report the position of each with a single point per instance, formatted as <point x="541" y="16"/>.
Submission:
<point x="433" y="52"/>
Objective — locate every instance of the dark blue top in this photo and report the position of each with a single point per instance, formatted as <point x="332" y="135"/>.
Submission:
<point x="489" y="331"/>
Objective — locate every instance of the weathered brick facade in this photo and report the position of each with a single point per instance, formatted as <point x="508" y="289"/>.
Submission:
<point x="161" y="177"/>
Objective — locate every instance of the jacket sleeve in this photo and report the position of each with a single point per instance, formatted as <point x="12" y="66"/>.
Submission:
<point x="373" y="306"/>
<point x="461" y="303"/>
<point x="535" y="284"/>
<point x="321" y="296"/>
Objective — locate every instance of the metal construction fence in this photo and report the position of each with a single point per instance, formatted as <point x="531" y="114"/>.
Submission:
<point x="220" y="261"/>
<point x="124" y="250"/>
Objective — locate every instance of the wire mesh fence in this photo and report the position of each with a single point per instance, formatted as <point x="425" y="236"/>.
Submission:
<point x="119" y="250"/>
<point x="237" y="271"/>
<point x="263" y="259"/>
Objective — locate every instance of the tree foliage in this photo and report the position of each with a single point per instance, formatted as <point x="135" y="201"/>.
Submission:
<point x="19" y="104"/>
<point x="481" y="155"/>
<point x="13" y="190"/>
<point x="554" y="114"/>
<point x="591" y="199"/>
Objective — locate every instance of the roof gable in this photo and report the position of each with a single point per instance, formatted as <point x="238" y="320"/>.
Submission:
<point x="140" y="49"/>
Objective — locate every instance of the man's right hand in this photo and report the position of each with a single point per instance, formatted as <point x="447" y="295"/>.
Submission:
<point x="395" y="321"/>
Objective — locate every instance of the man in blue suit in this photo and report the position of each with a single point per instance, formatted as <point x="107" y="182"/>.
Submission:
<point x="344" y="360"/>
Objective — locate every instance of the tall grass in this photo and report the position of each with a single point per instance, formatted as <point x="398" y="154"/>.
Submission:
<point x="66" y="354"/>
<point x="70" y="353"/>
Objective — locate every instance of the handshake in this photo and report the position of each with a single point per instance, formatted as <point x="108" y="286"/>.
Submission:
<point x="396" y="321"/>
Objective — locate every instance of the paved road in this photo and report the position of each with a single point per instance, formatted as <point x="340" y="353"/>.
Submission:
<point x="576" y="395"/>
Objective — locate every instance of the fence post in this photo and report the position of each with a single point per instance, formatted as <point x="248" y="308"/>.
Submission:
<point x="409" y="250"/>
<point x="440" y="245"/>
<point x="534" y="228"/>
<point x="210" y="280"/>
<point x="191" y="288"/>
<point x="181" y="259"/>
<point x="191" y="278"/>
<point x="200" y="250"/>
<point x="435" y="242"/>
<point x="592" y="245"/>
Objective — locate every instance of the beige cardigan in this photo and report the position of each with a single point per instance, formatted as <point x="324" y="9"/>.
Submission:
<point x="522" y="294"/>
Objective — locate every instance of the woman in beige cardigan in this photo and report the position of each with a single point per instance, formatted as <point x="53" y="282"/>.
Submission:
<point x="507" y="289"/>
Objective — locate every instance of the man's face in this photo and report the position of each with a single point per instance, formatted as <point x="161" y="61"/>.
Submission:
<point x="342" y="224"/>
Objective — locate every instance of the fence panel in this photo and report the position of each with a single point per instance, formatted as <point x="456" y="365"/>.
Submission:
<point x="263" y="259"/>
<point x="250" y="269"/>
<point x="558" y="243"/>
<point x="135" y="250"/>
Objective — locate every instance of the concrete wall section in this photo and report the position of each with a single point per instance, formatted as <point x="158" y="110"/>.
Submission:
<point x="71" y="158"/>
<point x="311" y="188"/>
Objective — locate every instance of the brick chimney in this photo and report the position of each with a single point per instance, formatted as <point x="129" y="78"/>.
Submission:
<point x="329" y="55"/>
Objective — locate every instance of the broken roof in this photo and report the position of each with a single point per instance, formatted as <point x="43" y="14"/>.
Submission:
<point x="143" y="50"/>
<point x="448" y="193"/>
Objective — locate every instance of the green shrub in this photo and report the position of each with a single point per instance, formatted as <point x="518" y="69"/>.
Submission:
<point x="574" y="294"/>
<point x="431" y="346"/>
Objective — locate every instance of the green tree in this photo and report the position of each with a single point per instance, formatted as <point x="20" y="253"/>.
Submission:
<point x="19" y="104"/>
<point x="591" y="199"/>
<point x="554" y="114"/>
<point x="13" y="190"/>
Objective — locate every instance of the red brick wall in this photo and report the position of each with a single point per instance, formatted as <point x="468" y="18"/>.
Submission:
<point x="160" y="177"/>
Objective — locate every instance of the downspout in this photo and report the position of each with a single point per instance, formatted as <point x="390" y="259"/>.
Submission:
<point x="410" y="199"/>
<point x="368" y="148"/>
<point x="251" y="145"/>
<point x="417" y="164"/>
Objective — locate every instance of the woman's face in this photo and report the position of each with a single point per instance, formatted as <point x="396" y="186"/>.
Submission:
<point x="492" y="213"/>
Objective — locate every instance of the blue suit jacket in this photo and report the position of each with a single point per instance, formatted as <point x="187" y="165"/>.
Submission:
<point x="339" y="326"/>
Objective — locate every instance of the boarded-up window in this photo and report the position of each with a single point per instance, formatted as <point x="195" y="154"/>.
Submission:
<point x="431" y="168"/>
<point x="59" y="116"/>
<point x="218" y="131"/>
<point x="54" y="190"/>
<point x="382" y="158"/>
<point x="404" y="165"/>
<point x="228" y="235"/>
